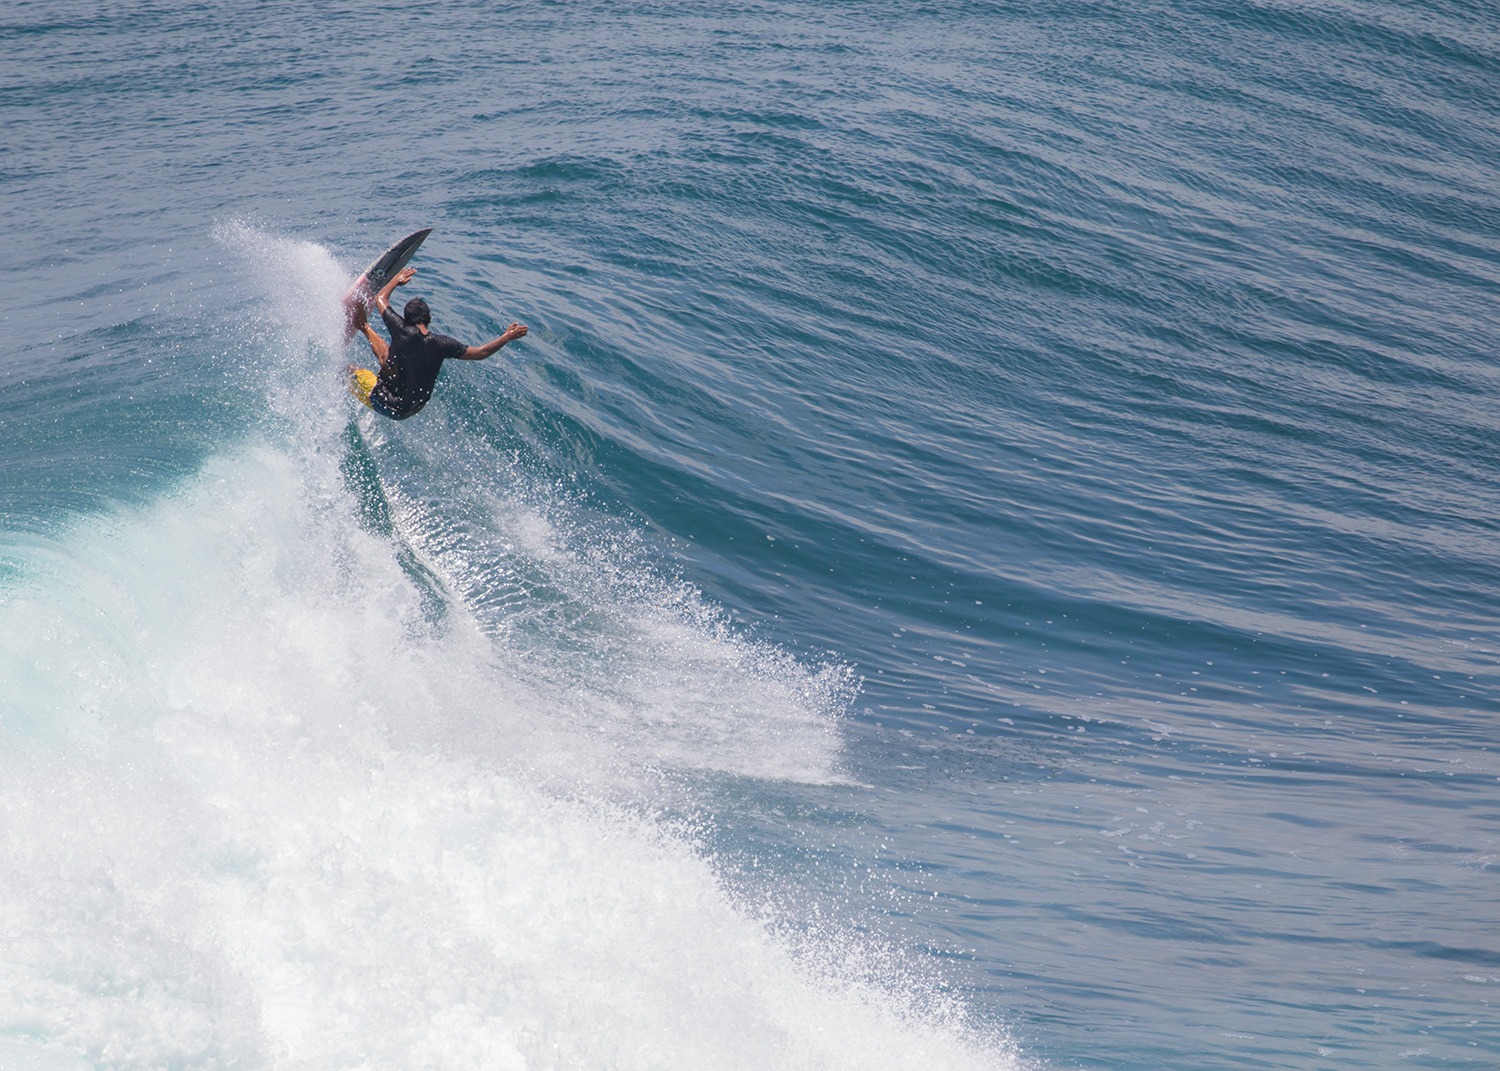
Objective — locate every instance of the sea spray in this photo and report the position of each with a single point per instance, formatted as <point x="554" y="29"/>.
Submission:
<point x="264" y="809"/>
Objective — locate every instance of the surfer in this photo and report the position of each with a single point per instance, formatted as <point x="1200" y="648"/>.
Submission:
<point x="410" y="363"/>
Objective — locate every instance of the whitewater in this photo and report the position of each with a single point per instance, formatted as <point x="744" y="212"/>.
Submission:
<point x="988" y="555"/>
<point x="277" y="796"/>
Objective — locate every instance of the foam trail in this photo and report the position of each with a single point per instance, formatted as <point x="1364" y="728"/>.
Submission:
<point x="263" y="810"/>
<point x="650" y="673"/>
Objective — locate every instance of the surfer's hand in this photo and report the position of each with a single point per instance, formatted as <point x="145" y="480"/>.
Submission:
<point x="404" y="276"/>
<point x="514" y="331"/>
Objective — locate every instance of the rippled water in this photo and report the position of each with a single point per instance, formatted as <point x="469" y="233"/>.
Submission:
<point x="988" y="555"/>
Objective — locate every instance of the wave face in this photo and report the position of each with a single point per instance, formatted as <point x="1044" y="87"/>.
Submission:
<point x="986" y="558"/>
<point x="262" y="812"/>
<point x="296" y="777"/>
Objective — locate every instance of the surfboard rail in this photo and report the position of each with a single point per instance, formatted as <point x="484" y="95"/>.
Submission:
<point x="373" y="278"/>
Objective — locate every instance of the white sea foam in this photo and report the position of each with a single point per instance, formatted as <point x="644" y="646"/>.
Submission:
<point x="263" y="809"/>
<point x="243" y="830"/>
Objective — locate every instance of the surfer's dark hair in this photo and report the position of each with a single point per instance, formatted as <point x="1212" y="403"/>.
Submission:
<point x="417" y="312"/>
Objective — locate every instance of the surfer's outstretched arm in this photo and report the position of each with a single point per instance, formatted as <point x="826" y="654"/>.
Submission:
<point x="401" y="278"/>
<point x="479" y="353"/>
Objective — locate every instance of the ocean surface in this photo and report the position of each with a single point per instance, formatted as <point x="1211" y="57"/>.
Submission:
<point x="988" y="557"/>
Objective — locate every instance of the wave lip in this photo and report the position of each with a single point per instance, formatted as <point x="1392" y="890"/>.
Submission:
<point x="268" y="809"/>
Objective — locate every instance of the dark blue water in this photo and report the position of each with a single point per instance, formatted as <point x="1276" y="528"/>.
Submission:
<point x="988" y="556"/>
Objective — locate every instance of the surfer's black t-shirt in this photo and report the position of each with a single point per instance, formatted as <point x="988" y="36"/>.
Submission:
<point x="411" y="369"/>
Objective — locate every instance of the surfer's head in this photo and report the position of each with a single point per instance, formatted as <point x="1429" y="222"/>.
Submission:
<point x="416" y="312"/>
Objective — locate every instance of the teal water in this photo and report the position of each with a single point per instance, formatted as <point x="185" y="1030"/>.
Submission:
<point x="988" y="556"/>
